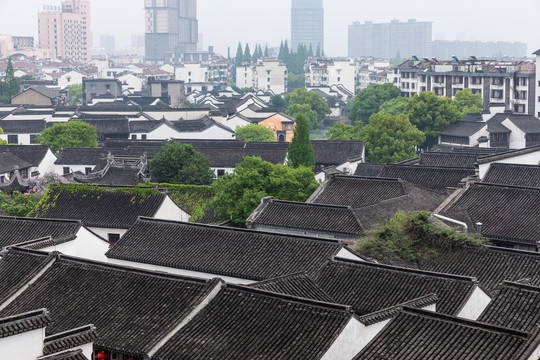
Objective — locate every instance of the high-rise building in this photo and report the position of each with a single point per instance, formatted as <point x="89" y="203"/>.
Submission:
<point x="390" y="40"/>
<point x="444" y="50"/>
<point x="307" y="24"/>
<point x="171" y="28"/>
<point x="108" y="43"/>
<point x="65" y="31"/>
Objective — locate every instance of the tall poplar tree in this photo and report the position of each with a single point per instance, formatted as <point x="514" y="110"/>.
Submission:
<point x="301" y="151"/>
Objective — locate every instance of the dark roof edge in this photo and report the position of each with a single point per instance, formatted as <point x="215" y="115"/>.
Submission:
<point x="306" y="301"/>
<point x="520" y="286"/>
<point x="70" y="333"/>
<point x="25" y="315"/>
<point x="388" y="313"/>
<point x="507" y="154"/>
<point x="504" y="186"/>
<point x="407" y="270"/>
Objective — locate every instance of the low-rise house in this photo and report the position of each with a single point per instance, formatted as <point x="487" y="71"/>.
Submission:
<point x="323" y="221"/>
<point x="527" y="156"/>
<point x="238" y="256"/>
<point x="21" y="132"/>
<point x="501" y="213"/>
<point x="92" y="88"/>
<point x="109" y="212"/>
<point x="415" y="333"/>
<point x="67" y="236"/>
<point x="11" y="166"/>
<point x="40" y="157"/>
<point x="39" y="96"/>
<point x="513" y="174"/>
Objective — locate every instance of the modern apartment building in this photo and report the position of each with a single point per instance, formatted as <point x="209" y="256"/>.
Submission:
<point x="328" y="72"/>
<point x="444" y="50"/>
<point x="388" y="40"/>
<point x="267" y="74"/>
<point x="505" y="84"/>
<point x="171" y="29"/>
<point x="307" y="24"/>
<point x="65" y="31"/>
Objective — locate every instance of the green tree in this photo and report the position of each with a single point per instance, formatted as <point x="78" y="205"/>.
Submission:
<point x="247" y="54"/>
<point x="300" y="149"/>
<point x="395" y="106"/>
<point x="10" y="85"/>
<point x="178" y="163"/>
<point x="304" y="109"/>
<point x="314" y="100"/>
<point x="318" y="53"/>
<point x="73" y="133"/>
<point x="331" y="101"/>
<point x="342" y="132"/>
<point x="239" y="58"/>
<point x="391" y="139"/>
<point x="431" y="114"/>
<point x="239" y="193"/>
<point x="295" y="81"/>
<point x="369" y="100"/>
<point x="278" y="101"/>
<point x="467" y="102"/>
<point x="18" y="204"/>
<point x="75" y="93"/>
<point x="255" y="132"/>
<point x="266" y="51"/>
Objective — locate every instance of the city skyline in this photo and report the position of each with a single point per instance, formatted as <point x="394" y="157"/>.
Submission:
<point x="226" y="27"/>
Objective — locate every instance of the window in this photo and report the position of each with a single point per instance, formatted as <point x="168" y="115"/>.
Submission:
<point x="24" y="173"/>
<point x="496" y="94"/>
<point x="134" y="137"/>
<point x="13" y="139"/>
<point x="454" y="140"/>
<point x="143" y="136"/>
<point x="220" y="172"/>
<point x="113" y="238"/>
<point x="33" y="138"/>
<point x="338" y="79"/>
<point x="2" y="179"/>
<point x="497" y="81"/>
<point x="87" y="170"/>
<point x="66" y="170"/>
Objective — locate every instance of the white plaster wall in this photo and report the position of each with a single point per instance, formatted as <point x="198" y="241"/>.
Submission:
<point x="227" y="170"/>
<point x="346" y="254"/>
<point x="86" y="245"/>
<point x="131" y="82"/>
<point x="75" y="78"/>
<point x="212" y="133"/>
<point x="476" y="304"/>
<point x="47" y="164"/>
<point x="517" y="137"/>
<point x="181" y="272"/>
<point x="104" y="232"/>
<point x="345" y="71"/>
<point x="163" y="132"/>
<point x="177" y="115"/>
<point x="170" y="211"/>
<point x="277" y="76"/>
<point x="25" y="346"/>
<point x="24" y="139"/>
<point x="536" y="353"/>
<point x="532" y="158"/>
<point x="352" y="340"/>
<point x="192" y="73"/>
<point x="59" y="169"/>
<point x="235" y="122"/>
<point x="244" y="76"/>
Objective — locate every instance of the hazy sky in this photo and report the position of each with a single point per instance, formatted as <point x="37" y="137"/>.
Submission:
<point x="226" y="22"/>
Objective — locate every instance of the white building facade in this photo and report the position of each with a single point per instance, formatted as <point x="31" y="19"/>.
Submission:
<point x="267" y="74"/>
<point x="323" y="72"/>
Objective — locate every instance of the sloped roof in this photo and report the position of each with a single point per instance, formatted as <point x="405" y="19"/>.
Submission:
<point x="369" y="287"/>
<point x="10" y="162"/>
<point x="513" y="174"/>
<point x="418" y="334"/>
<point x="117" y="176"/>
<point x="69" y="339"/>
<point x="68" y="355"/>
<point x="99" y="206"/>
<point x="464" y="128"/>
<point x="21" y="323"/>
<point x="231" y="157"/>
<point x="16" y="230"/>
<point x="300" y="285"/>
<point x="305" y="216"/>
<point x="369" y="170"/>
<point x="515" y="306"/>
<point x="432" y="178"/>
<point x="447" y="159"/>
<point x="529" y="124"/>
<point x="22" y="126"/>
<point x="490" y="265"/>
<point x="78" y="292"/>
<point x="508" y="154"/>
<point x="222" y="251"/>
<point x="330" y="153"/>
<point x="261" y="326"/>
<point x="507" y="213"/>
<point x="32" y="154"/>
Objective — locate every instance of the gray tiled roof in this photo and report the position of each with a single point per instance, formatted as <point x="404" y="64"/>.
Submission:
<point x="513" y="174"/>
<point x="22" y="323"/>
<point x="16" y="230"/>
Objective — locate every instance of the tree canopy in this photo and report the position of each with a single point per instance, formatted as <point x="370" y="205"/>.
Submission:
<point x="178" y="163"/>
<point x="390" y="138"/>
<point x="239" y="193"/>
<point x="75" y="93"/>
<point x="431" y="114"/>
<point x="255" y="132"/>
<point x="314" y="100"/>
<point x="394" y="106"/>
<point x="467" y="102"/>
<point x="368" y="101"/>
<point x="9" y="86"/>
<point x="300" y="149"/>
<point x="304" y="109"/>
<point x="342" y="132"/>
<point x="73" y="133"/>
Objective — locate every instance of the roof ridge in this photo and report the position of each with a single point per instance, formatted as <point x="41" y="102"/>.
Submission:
<point x="515" y="165"/>
<point x="70" y="332"/>
<point x="503" y="186"/>
<point x="306" y="301"/>
<point x="427" y="167"/>
<point x="342" y="207"/>
<point x="367" y="177"/>
<point x="222" y="228"/>
<point x="25" y="315"/>
<point x="516" y="285"/>
<point x="38" y="219"/>
<point x="509" y="250"/>
<point x="465" y="322"/>
<point x="282" y="277"/>
<point x="406" y="270"/>
<point x="384" y="314"/>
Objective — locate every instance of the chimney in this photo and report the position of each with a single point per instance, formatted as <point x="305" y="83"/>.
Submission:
<point x="479" y="228"/>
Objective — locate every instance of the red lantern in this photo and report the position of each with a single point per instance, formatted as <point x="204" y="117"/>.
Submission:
<point x="102" y="355"/>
